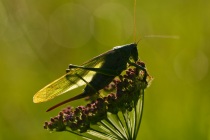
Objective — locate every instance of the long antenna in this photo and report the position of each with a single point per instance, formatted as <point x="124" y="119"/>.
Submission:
<point x="134" y="21"/>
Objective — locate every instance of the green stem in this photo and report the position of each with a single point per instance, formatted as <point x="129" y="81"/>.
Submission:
<point x="140" y="104"/>
<point x="111" y="130"/>
<point x="126" y="124"/>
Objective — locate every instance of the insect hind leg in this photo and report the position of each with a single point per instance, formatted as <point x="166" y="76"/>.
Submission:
<point x="108" y="72"/>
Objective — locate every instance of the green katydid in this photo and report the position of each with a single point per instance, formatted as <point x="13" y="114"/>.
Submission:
<point x="95" y="73"/>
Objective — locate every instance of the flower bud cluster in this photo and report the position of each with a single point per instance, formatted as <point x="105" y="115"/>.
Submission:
<point x="124" y="93"/>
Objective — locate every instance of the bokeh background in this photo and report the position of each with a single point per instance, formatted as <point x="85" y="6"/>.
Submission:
<point x="38" y="39"/>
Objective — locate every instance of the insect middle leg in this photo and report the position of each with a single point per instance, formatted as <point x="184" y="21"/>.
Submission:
<point x="86" y="82"/>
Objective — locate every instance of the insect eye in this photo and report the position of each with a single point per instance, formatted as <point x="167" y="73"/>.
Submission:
<point x="67" y="70"/>
<point x="70" y="66"/>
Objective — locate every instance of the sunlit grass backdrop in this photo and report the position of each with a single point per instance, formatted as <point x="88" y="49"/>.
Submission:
<point x="38" y="39"/>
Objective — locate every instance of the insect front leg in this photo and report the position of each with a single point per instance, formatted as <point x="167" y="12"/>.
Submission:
<point x="139" y="67"/>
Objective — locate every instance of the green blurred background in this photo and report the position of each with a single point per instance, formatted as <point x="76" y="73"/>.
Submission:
<point x="38" y="39"/>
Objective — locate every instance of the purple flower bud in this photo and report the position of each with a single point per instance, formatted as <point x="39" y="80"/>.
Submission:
<point x="121" y="95"/>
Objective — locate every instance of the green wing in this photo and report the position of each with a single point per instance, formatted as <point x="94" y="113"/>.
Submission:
<point x="69" y="81"/>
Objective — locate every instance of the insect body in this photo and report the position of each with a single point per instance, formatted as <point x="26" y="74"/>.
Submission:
<point x="95" y="73"/>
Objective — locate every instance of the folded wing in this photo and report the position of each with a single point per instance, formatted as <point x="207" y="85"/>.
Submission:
<point x="68" y="81"/>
